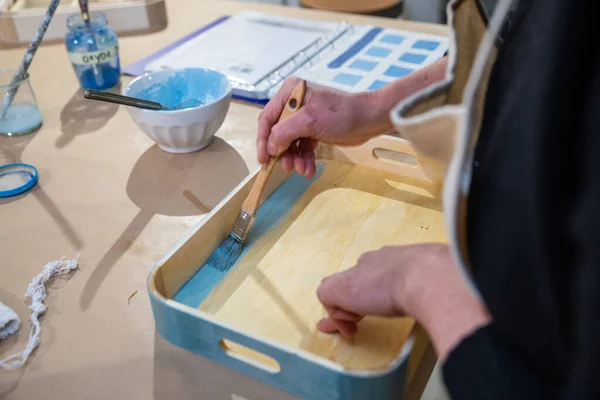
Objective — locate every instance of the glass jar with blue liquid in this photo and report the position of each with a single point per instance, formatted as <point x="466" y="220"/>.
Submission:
<point x="93" y="49"/>
<point x="19" y="112"/>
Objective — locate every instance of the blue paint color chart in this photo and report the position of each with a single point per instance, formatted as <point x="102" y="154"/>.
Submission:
<point x="258" y="51"/>
<point x="372" y="57"/>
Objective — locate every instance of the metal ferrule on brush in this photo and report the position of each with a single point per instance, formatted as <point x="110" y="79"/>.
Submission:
<point x="242" y="225"/>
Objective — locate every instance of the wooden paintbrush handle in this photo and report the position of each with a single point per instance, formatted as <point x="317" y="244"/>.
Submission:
<point x="295" y="101"/>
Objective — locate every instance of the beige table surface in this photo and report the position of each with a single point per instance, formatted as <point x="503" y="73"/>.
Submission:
<point x="108" y="191"/>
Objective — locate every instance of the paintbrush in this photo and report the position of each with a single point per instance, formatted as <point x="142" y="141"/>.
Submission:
<point x="230" y="249"/>
<point x="26" y="61"/>
<point x="85" y="15"/>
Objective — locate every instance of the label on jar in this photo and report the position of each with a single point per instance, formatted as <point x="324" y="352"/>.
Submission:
<point x="94" y="57"/>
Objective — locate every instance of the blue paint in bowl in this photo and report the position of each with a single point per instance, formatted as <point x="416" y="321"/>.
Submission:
<point x="206" y="94"/>
<point x="192" y="87"/>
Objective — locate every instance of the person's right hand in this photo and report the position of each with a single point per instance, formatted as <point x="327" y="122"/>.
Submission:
<point x="327" y="115"/>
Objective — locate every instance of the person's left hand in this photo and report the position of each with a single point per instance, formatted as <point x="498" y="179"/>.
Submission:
<point x="419" y="280"/>
<point x="382" y="283"/>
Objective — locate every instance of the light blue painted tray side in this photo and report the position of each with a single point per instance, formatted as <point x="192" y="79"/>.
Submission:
<point x="298" y="376"/>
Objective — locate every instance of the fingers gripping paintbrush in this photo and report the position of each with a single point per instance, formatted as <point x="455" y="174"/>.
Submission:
<point x="228" y="252"/>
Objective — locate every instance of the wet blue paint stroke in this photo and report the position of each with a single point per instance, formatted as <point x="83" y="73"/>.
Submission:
<point x="273" y="210"/>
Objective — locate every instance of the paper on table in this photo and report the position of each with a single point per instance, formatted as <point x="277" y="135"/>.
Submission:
<point x="247" y="47"/>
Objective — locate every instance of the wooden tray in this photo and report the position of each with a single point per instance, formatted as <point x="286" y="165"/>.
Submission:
<point x="259" y="317"/>
<point x="18" y="26"/>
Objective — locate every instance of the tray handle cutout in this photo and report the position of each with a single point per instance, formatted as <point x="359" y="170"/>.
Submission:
<point x="249" y="356"/>
<point x="395" y="157"/>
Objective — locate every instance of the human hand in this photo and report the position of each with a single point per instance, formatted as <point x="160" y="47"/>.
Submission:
<point x="418" y="280"/>
<point x="380" y="284"/>
<point x="329" y="116"/>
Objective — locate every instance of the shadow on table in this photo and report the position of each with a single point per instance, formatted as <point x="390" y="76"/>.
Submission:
<point x="174" y="185"/>
<point x="10" y="382"/>
<point x="51" y="208"/>
<point x="180" y="374"/>
<point x="80" y="116"/>
<point x="173" y="373"/>
<point x="11" y="151"/>
<point x="64" y="225"/>
<point x="12" y="148"/>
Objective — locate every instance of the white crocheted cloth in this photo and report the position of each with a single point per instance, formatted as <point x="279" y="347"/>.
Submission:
<point x="9" y="321"/>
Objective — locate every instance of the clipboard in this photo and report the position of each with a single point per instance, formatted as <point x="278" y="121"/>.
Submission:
<point x="258" y="51"/>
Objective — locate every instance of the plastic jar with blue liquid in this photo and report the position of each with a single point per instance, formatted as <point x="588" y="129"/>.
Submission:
<point x="93" y="49"/>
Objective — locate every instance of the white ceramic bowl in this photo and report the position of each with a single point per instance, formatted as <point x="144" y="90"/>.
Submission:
<point x="189" y="129"/>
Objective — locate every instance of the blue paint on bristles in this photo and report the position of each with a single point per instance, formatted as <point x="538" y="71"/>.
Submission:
<point x="226" y="254"/>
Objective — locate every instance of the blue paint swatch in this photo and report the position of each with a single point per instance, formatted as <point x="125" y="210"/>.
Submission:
<point x="363" y="65"/>
<point x="392" y="39"/>
<point x="375" y="51"/>
<point x="355" y="48"/>
<point x="347" y="79"/>
<point x="413" y="58"/>
<point x="377" y="85"/>
<point x="204" y="281"/>
<point x="397" y="72"/>
<point x="426" y="45"/>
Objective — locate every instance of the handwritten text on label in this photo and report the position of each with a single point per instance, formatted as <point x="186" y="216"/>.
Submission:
<point x="94" y="57"/>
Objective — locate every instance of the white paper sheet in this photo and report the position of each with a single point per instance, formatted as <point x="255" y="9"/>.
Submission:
<point x="247" y="47"/>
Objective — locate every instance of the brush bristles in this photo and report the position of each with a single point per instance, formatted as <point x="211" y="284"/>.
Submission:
<point x="225" y="255"/>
